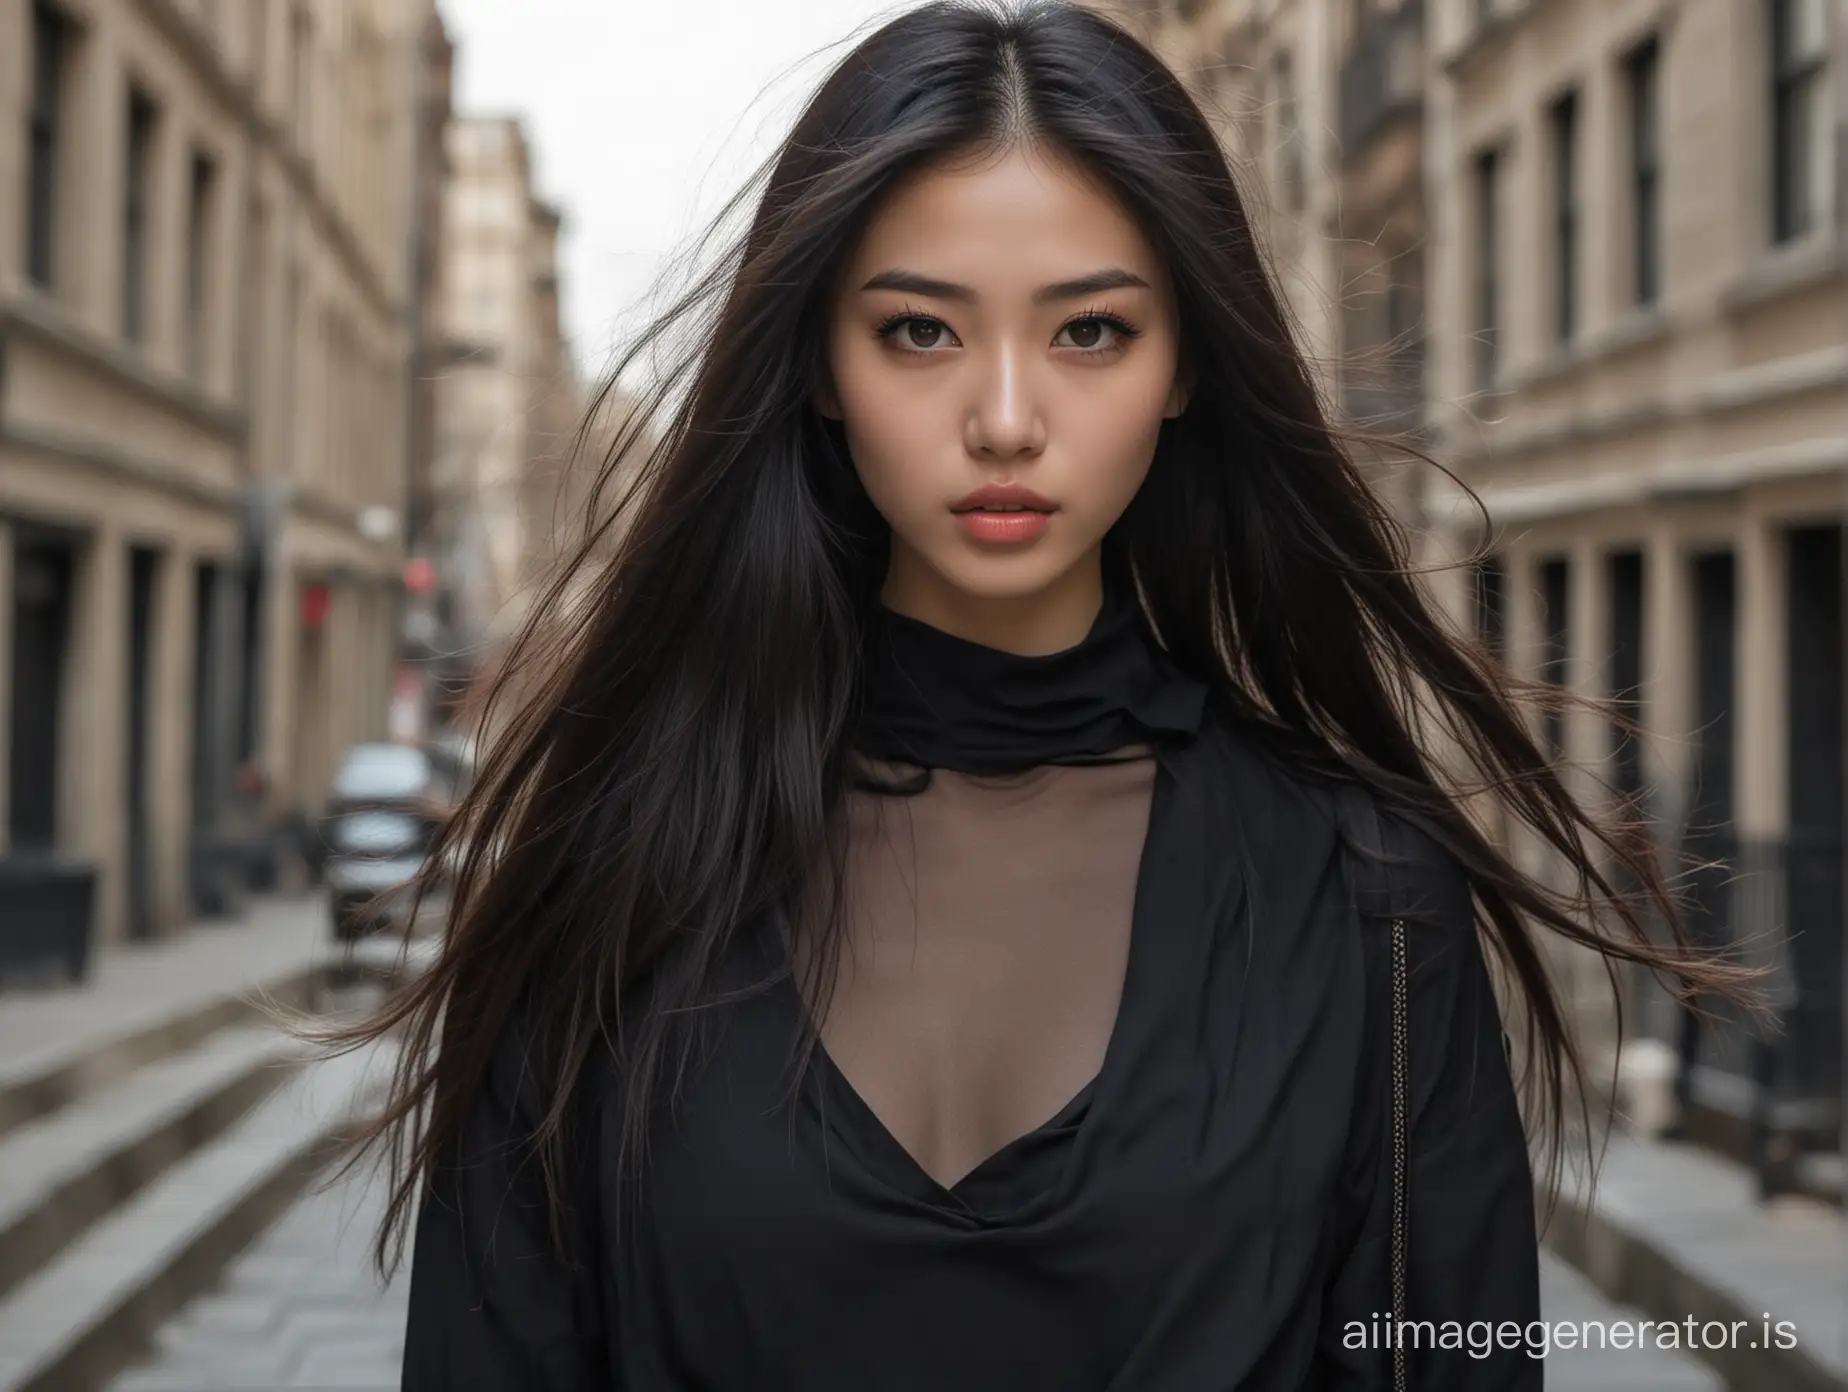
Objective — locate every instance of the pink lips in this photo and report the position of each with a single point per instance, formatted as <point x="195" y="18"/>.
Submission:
<point x="980" y="513"/>
<point x="1004" y="526"/>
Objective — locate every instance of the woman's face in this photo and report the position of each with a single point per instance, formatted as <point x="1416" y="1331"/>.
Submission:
<point x="1002" y="325"/>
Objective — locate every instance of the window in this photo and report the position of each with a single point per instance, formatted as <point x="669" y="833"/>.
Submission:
<point x="202" y="179"/>
<point x="137" y="173"/>
<point x="1640" y="74"/>
<point x="251" y="385"/>
<point x="1801" y="146"/>
<point x="1488" y="290"/>
<point x="1290" y="178"/>
<point x="1562" y="120"/>
<point x="1555" y="643"/>
<point x="50" y="39"/>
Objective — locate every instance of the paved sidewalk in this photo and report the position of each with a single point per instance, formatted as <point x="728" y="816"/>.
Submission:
<point x="1683" y="1230"/>
<point x="1566" y="1296"/>
<point x="302" y="1308"/>
<point x="137" y="987"/>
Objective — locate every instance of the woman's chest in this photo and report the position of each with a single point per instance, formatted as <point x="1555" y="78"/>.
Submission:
<point x="1216" y="1163"/>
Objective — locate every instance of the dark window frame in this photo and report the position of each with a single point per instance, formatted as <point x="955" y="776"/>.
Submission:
<point x="1563" y="127"/>
<point x="1487" y="337"/>
<point x="52" y="31"/>
<point x="138" y="152"/>
<point x="201" y="201"/>
<point x="1642" y="70"/>
<point x="1796" y="81"/>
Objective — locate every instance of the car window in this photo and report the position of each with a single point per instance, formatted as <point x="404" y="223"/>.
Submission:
<point x="382" y="771"/>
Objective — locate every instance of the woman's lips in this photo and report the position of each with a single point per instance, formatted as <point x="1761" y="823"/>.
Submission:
<point x="1003" y="527"/>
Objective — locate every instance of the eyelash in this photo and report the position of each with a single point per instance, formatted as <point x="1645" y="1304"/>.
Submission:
<point x="1125" y="331"/>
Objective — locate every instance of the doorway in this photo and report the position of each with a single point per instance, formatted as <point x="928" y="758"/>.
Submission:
<point x="1710" y="838"/>
<point x="42" y="608"/>
<point x="143" y="915"/>
<point x="1813" y="847"/>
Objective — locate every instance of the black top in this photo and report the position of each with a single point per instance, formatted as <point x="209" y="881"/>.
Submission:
<point x="1209" y="1213"/>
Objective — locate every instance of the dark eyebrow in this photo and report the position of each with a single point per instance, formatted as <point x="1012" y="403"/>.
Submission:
<point x="1110" y="278"/>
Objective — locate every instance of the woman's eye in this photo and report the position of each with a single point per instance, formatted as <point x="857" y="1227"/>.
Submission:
<point x="1094" y="333"/>
<point x="919" y="334"/>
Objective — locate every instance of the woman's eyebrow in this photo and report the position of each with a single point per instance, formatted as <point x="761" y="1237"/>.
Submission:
<point x="911" y="282"/>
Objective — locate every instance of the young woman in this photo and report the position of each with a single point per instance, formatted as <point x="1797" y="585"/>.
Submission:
<point x="918" y="935"/>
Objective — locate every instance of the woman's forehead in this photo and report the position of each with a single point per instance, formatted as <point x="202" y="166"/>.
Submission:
<point x="1022" y="217"/>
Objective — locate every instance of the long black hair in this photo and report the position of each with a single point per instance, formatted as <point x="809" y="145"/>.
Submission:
<point x="677" y="756"/>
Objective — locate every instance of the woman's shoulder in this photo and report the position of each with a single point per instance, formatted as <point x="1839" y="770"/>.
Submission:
<point x="1400" y="865"/>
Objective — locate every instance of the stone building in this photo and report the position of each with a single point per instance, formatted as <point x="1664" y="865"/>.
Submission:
<point x="205" y="248"/>
<point x="1597" y="247"/>
<point x="427" y="675"/>
<point x="508" y="402"/>
<point x="1319" y="106"/>
<point x="1638" y="360"/>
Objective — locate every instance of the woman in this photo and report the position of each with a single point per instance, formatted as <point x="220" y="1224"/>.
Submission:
<point x="913" y="940"/>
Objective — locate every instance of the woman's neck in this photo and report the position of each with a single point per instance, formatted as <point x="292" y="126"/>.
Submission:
<point x="1047" y="620"/>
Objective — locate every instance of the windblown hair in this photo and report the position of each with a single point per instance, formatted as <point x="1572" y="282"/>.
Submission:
<point x="679" y="755"/>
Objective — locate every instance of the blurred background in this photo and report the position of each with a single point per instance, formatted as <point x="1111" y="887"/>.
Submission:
<point x="303" y="302"/>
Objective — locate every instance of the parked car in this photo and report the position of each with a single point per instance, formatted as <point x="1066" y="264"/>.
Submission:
<point x="384" y="809"/>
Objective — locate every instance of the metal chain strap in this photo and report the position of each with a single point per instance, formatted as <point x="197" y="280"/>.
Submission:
<point x="1401" y="1049"/>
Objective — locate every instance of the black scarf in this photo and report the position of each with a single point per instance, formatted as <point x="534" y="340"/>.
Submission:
<point x="939" y="701"/>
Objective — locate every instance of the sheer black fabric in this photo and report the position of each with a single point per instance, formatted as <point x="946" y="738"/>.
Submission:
<point x="1209" y="1213"/>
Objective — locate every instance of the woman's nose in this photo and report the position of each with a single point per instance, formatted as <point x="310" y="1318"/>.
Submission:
<point x="1005" y="419"/>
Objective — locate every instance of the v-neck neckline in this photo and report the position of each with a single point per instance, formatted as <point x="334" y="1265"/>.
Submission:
<point x="847" y="1114"/>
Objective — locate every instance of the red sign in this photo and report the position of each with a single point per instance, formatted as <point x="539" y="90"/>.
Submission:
<point x="419" y="575"/>
<point x="314" y="605"/>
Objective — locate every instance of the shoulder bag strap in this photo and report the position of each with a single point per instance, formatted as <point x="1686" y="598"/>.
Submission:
<point x="1362" y="826"/>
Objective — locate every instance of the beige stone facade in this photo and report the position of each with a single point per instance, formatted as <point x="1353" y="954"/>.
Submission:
<point x="1599" y="247"/>
<point x="509" y="402"/>
<point x="1319" y="106"/>
<point x="1639" y="362"/>
<point x="205" y="242"/>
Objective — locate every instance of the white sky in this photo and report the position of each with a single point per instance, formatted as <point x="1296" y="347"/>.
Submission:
<point x="643" y="117"/>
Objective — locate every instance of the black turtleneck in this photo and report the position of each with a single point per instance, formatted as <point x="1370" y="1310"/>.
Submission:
<point x="1210" y="1212"/>
<point x="946" y="702"/>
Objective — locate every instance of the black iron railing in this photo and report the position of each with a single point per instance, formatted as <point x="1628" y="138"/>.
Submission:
<point x="1776" y="904"/>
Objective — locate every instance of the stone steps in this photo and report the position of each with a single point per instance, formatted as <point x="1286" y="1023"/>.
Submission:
<point x="62" y="1173"/>
<point x="147" y="1139"/>
<point x="97" y="1305"/>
